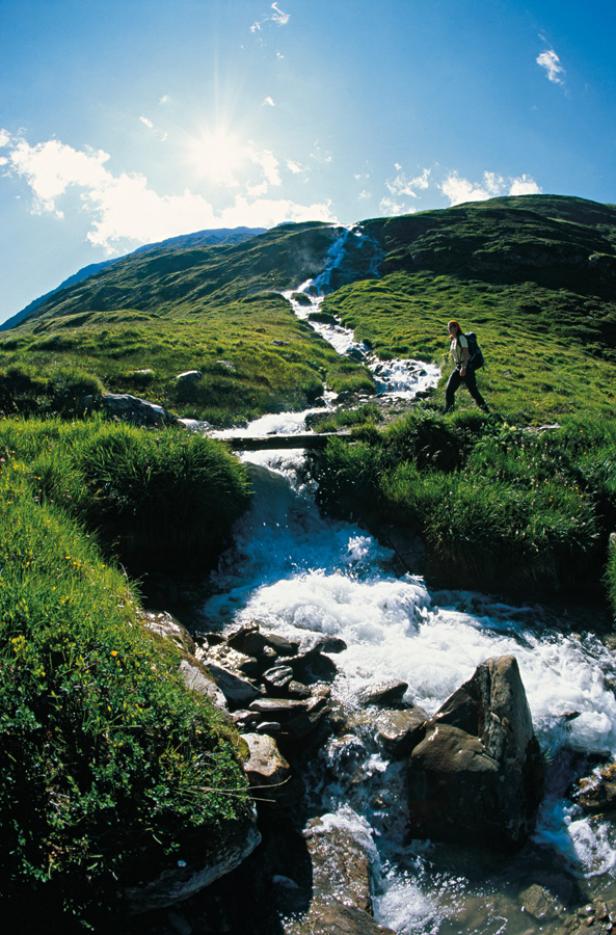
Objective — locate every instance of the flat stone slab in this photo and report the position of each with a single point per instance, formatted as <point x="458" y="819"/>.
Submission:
<point x="383" y="693"/>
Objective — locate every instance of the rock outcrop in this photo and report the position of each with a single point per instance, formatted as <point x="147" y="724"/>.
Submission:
<point x="136" y="411"/>
<point x="477" y="776"/>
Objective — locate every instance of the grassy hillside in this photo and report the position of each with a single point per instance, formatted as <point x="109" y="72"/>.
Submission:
<point x="178" y="309"/>
<point x="111" y="768"/>
<point x="534" y="276"/>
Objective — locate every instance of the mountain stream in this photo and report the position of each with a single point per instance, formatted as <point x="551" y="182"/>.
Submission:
<point x="301" y="574"/>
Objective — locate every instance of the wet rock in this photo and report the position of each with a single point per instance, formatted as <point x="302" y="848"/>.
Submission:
<point x="252" y="641"/>
<point x="274" y="728"/>
<point x="231" y="660"/>
<point x="178" y="883"/>
<point x="298" y="690"/>
<point x="330" y="644"/>
<point x="340" y="865"/>
<point x="135" y="410"/>
<point x="477" y="777"/>
<point x="277" y="679"/>
<point x="597" y="793"/>
<point x="267" y="767"/>
<point x="334" y="918"/>
<point x="237" y="690"/>
<point x="311" y="666"/>
<point x="383" y="693"/>
<point x="164" y="624"/>
<point x="189" y="376"/>
<point x="297" y="718"/>
<point x="538" y="902"/>
<point x="399" y="731"/>
<point x="244" y="720"/>
<point x="199" y="680"/>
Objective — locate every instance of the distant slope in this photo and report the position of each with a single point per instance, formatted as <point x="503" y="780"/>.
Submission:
<point x="534" y="275"/>
<point x="199" y="238"/>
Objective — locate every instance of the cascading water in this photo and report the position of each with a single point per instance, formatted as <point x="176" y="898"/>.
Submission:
<point x="301" y="575"/>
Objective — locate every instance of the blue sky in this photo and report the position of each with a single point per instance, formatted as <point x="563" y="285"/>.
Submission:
<point x="123" y="123"/>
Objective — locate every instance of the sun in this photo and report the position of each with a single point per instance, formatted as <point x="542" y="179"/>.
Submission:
<point x="217" y="155"/>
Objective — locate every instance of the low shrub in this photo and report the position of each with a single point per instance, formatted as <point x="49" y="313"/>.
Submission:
<point x="111" y="769"/>
<point x="64" y="391"/>
<point x="163" y="499"/>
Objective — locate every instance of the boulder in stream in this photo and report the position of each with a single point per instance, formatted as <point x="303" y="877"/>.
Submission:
<point x="477" y="776"/>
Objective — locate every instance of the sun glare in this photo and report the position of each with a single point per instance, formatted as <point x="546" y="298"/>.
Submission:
<point x="216" y="155"/>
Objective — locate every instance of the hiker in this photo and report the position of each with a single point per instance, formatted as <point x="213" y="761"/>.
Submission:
<point x="464" y="369"/>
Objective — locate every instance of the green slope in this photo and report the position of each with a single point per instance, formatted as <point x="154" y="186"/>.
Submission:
<point x="534" y="276"/>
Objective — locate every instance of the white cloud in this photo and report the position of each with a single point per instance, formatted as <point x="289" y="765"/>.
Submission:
<point x="160" y="134"/>
<point x="125" y="207"/>
<point x="402" y="185"/>
<point x="359" y="176"/>
<point x="459" y="190"/>
<point x="278" y="17"/>
<point x="147" y="122"/>
<point x="5" y="138"/>
<point x="390" y="206"/>
<point x="279" y="56"/>
<point x="3" y="161"/>
<point x="524" y="185"/>
<point x="320" y="155"/>
<point x="268" y="101"/>
<point x="550" y="61"/>
<point x="164" y="99"/>
<point x="295" y="167"/>
<point x="364" y="195"/>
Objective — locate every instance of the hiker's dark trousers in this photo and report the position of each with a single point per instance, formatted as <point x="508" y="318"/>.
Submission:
<point x="470" y="382"/>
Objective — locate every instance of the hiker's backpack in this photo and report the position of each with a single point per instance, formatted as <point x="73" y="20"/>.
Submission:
<point x="476" y="357"/>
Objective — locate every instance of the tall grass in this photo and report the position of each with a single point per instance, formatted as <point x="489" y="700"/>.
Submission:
<point x="155" y="499"/>
<point x="499" y="507"/>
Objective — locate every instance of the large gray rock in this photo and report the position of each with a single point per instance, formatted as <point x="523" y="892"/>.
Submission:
<point x="340" y="892"/>
<point x="477" y="776"/>
<point x="268" y="772"/>
<point x="135" y="410"/>
<point x="238" y="691"/>
<point x="383" y="693"/>
<point x="398" y="731"/>
<point x="197" y="679"/>
<point x="189" y="877"/>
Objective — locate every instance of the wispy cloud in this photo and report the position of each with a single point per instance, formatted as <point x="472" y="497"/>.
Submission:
<point x="161" y="134"/>
<point x="268" y="101"/>
<point x="295" y="167"/>
<point x="125" y="208"/>
<point x="278" y="17"/>
<point x="320" y="155"/>
<point x="403" y="185"/>
<point x="364" y="195"/>
<point x="390" y="206"/>
<point x="5" y="138"/>
<point x="164" y="99"/>
<point x="550" y="61"/>
<point x="459" y="190"/>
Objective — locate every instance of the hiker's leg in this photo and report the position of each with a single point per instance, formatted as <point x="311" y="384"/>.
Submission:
<point x="471" y="383"/>
<point x="452" y="385"/>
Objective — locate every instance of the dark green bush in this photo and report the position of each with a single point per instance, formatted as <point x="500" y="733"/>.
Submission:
<point x="64" y="391"/>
